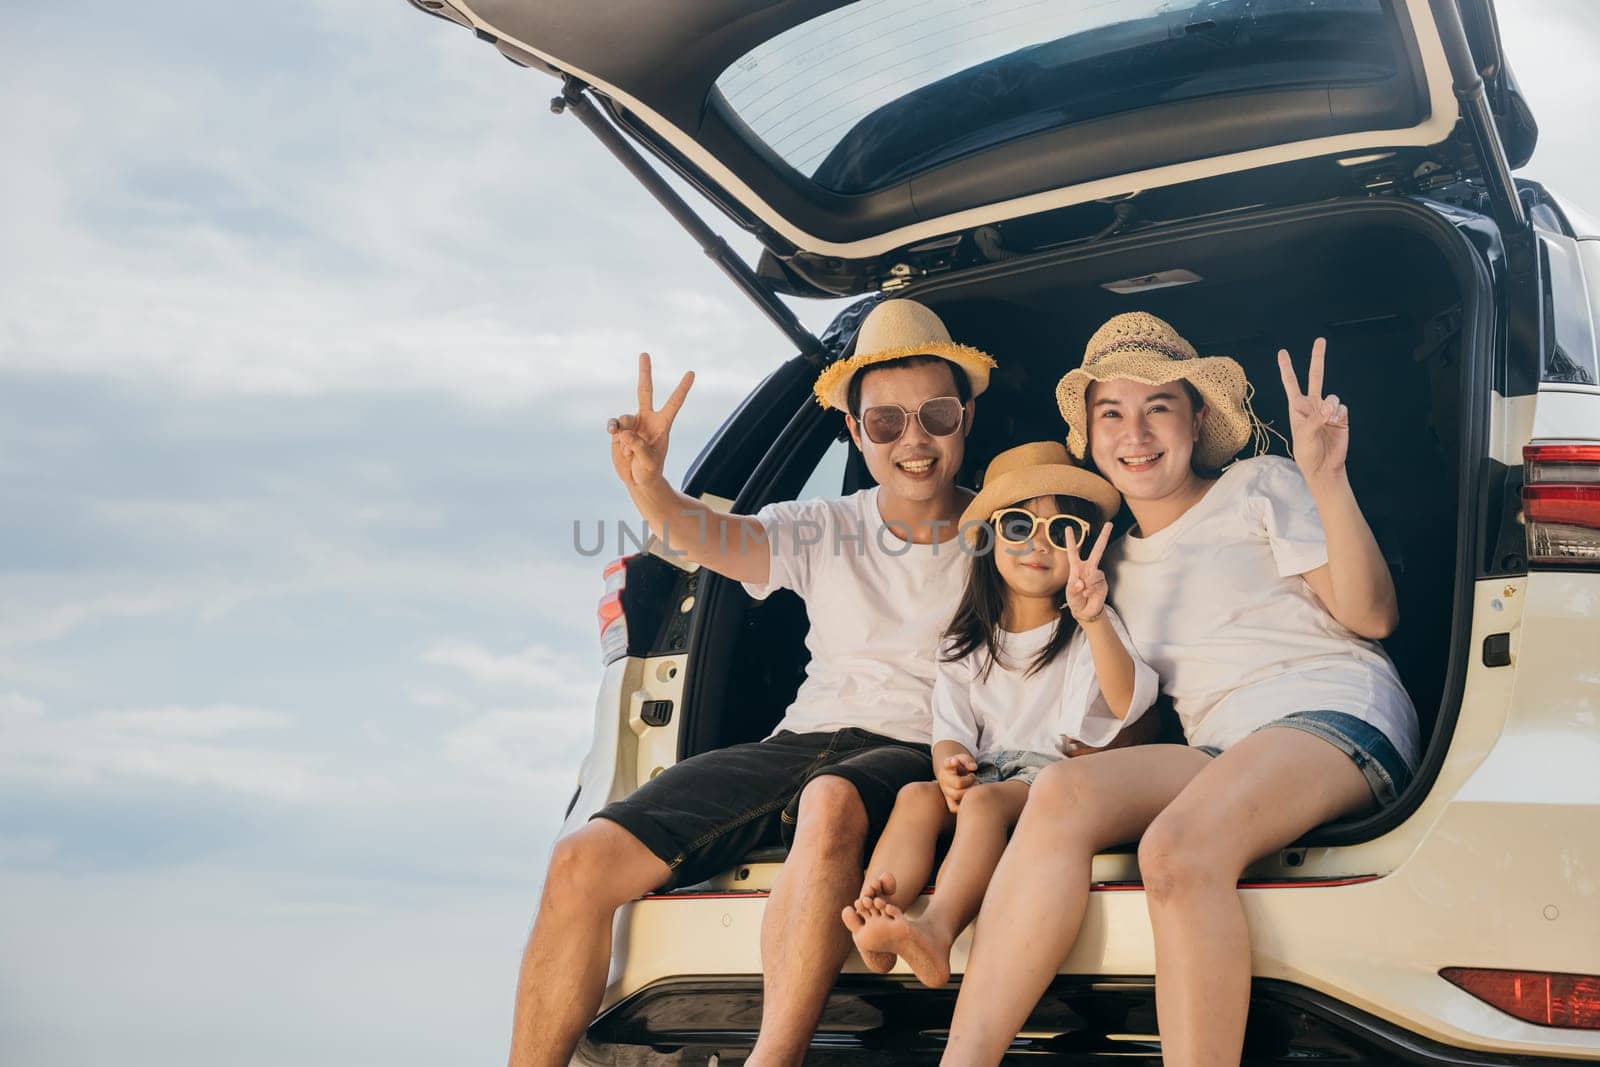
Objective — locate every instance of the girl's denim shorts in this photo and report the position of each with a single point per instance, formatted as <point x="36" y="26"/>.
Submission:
<point x="1012" y="764"/>
<point x="1366" y="745"/>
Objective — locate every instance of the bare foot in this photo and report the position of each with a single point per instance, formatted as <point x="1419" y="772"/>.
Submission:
<point x="879" y="888"/>
<point x="873" y="894"/>
<point x="888" y="931"/>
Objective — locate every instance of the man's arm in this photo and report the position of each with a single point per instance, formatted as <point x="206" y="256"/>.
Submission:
<point x="734" y="546"/>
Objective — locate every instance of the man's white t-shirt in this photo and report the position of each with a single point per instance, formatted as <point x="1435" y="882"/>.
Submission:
<point x="1012" y="711"/>
<point x="878" y="605"/>
<point x="1217" y="605"/>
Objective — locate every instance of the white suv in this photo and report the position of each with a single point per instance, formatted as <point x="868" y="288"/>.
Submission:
<point x="1258" y="172"/>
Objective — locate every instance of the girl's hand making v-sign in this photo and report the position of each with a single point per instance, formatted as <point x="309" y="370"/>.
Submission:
<point x="1086" y="585"/>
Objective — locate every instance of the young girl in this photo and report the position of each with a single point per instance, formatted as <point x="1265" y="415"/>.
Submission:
<point x="1259" y="593"/>
<point x="1035" y="664"/>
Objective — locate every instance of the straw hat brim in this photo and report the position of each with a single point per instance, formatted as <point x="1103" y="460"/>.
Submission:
<point x="1219" y="380"/>
<point x="1042" y="479"/>
<point x="833" y="384"/>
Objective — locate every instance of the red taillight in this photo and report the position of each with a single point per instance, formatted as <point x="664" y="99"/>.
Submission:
<point x="1568" y="505"/>
<point x="1561" y="502"/>
<point x="613" y="621"/>
<point x="1570" y="1001"/>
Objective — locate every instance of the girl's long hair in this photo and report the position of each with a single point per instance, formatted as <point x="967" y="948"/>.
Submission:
<point x="976" y="624"/>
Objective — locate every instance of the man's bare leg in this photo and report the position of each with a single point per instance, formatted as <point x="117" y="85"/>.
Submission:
<point x="593" y="872"/>
<point x="803" y="944"/>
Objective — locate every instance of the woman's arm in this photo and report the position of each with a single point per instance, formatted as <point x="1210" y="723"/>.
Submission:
<point x="1354" y="585"/>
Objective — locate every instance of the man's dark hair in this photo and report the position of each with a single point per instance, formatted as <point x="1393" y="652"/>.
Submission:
<point x="983" y="601"/>
<point x="853" y="396"/>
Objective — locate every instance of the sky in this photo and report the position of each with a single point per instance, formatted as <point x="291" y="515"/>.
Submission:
<point x="311" y="317"/>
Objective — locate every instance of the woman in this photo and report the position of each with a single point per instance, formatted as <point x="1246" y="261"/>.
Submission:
<point x="1258" y="594"/>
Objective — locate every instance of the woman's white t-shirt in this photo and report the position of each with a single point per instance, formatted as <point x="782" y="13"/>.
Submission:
<point x="1217" y="605"/>
<point x="877" y="605"/>
<point x="1008" y="711"/>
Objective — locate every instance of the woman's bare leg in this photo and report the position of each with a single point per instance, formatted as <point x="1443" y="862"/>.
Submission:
<point x="900" y="864"/>
<point x="987" y="812"/>
<point x="1040" y="890"/>
<point x="1257" y="796"/>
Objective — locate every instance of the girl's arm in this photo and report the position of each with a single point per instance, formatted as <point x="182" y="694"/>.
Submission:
<point x="956" y="731"/>
<point x="955" y="768"/>
<point x="943" y="750"/>
<point x="1113" y="667"/>
<point x="1354" y="585"/>
<point x="1086" y="599"/>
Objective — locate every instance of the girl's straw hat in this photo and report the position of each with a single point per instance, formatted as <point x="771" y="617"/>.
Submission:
<point x="1040" y="468"/>
<point x="1142" y="347"/>
<point x="893" y="330"/>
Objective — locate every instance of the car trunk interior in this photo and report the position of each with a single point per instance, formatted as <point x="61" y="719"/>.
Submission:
<point x="1389" y="286"/>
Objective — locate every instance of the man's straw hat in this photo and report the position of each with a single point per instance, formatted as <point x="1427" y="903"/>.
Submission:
<point x="1142" y="347"/>
<point x="1040" y="468"/>
<point x="893" y="330"/>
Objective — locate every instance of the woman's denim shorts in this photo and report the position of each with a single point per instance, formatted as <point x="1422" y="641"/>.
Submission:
<point x="1365" y="744"/>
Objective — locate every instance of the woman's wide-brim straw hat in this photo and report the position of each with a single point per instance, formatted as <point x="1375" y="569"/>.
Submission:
<point x="1141" y="347"/>
<point x="1040" y="468"/>
<point x="893" y="330"/>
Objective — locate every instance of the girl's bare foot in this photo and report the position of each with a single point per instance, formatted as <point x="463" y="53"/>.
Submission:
<point x="888" y="931"/>
<point x="873" y="895"/>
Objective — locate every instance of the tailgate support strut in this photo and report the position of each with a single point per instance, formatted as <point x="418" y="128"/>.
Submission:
<point x="574" y="98"/>
<point x="1525" y="328"/>
<point x="1474" y="98"/>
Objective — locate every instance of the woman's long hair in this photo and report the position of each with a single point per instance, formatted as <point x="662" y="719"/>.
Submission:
<point x="976" y="625"/>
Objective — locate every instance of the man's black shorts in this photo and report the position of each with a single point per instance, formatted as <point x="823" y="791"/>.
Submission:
<point x="705" y="814"/>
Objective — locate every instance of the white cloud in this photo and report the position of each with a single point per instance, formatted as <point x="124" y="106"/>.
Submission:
<point x="194" y="723"/>
<point x="429" y="696"/>
<point x="330" y="254"/>
<point x="16" y="709"/>
<point x="171" y="746"/>
<point x="536" y="667"/>
<point x="531" y="749"/>
<point x="526" y="746"/>
<point x="26" y="617"/>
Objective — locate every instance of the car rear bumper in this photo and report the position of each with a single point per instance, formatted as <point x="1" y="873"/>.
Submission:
<point x="1080" y="1020"/>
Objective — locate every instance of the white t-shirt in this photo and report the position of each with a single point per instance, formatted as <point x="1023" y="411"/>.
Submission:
<point x="1008" y="711"/>
<point x="877" y="604"/>
<point x="1217" y="605"/>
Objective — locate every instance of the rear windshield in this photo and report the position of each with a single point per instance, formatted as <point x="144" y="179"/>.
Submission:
<point x="876" y="91"/>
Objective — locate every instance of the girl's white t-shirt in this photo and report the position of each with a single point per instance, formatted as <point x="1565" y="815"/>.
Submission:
<point x="877" y="605"/>
<point x="1010" y="710"/>
<point x="1217" y="604"/>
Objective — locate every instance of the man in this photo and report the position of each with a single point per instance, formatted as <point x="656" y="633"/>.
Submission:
<point x="880" y="572"/>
